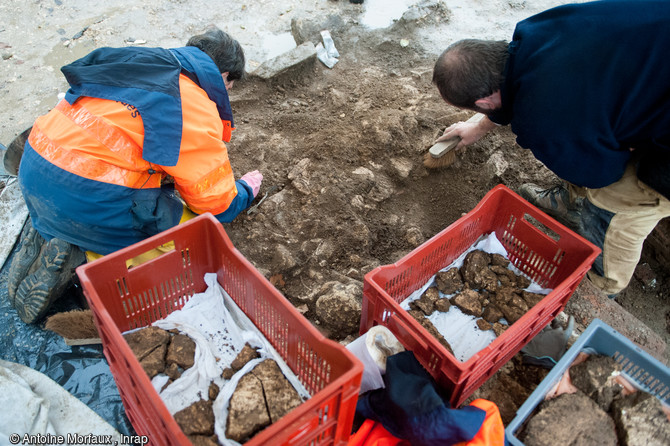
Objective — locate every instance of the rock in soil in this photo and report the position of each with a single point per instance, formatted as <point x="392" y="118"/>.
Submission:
<point x="247" y="412"/>
<point x="262" y="397"/>
<point x="596" y="378"/>
<point x="338" y="306"/>
<point x="499" y="260"/>
<point x="532" y="299"/>
<point x="173" y="371"/>
<point x="512" y="312"/>
<point x="426" y="303"/>
<point x="149" y="346"/>
<point x="432" y="294"/>
<point x="196" y="419"/>
<point x="213" y="391"/>
<point x="247" y="354"/>
<point x="484" y="325"/>
<point x="469" y="301"/>
<point x="143" y="341"/>
<point x="449" y="281"/>
<point x="499" y="328"/>
<point x="474" y="262"/>
<point x="492" y="314"/>
<point x="181" y="351"/>
<point x="442" y="305"/>
<point x="280" y="395"/>
<point x="154" y="362"/>
<point x="570" y="419"/>
<point x="640" y="420"/>
<point x="162" y="351"/>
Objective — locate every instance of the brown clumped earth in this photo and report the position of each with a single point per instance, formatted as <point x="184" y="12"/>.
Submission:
<point x="341" y="150"/>
<point x="262" y="396"/>
<point x="600" y="411"/>
<point x="345" y="189"/>
<point x="484" y="287"/>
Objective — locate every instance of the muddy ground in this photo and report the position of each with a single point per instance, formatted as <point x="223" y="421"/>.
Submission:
<point x="341" y="149"/>
<point x="344" y="149"/>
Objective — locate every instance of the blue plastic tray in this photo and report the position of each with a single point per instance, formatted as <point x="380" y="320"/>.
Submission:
<point x="643" y="370"/>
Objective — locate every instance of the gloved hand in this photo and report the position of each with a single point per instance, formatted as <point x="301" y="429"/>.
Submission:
<point x="547" y="347"/>
<point x="253" y="179"/>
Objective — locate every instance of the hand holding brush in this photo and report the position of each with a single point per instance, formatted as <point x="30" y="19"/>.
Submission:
<point x="456" y="136"/>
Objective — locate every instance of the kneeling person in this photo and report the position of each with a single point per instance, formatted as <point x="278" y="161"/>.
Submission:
<point x="137" y="141"/>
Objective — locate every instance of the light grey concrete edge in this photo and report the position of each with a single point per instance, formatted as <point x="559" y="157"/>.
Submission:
<point x="285" y="61"/>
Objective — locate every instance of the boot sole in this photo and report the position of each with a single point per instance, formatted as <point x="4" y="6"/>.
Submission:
<point x="25" y="260"/>
<point x="42" y="288"/>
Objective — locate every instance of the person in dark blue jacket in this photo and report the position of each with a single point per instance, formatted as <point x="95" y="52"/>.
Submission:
<point x="585" y="87"/>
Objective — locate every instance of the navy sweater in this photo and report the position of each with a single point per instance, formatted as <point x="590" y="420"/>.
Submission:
<point x="586" y="82"/>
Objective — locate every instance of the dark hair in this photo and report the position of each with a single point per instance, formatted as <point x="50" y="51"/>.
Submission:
<point x="469" y="70"/>
<point x="226" y="52"/>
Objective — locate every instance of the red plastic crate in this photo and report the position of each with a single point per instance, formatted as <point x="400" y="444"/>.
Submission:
<point x="122" y="299"/>
<point x="549" y="253"/>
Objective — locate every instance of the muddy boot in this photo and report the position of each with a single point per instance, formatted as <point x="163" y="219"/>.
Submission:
<point x="35" y="294"/>
<point x="555" y="201"/>
<point x="25" y="260"/>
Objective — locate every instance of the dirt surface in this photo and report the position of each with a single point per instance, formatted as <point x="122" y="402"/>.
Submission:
<point x="341" y="149"/>
<point x="600" y="406"/>
<point x="344" y="147"/>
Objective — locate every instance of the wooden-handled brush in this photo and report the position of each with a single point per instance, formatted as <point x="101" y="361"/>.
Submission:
<point x="442" y="154"/>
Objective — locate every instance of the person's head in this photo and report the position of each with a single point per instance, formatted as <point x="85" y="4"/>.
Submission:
<point x="470" y="70"/>
<point x="226" y="52"/>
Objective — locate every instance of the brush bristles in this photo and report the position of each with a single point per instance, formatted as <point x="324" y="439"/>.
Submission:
<point x="77" y="324"/>
<point x="444" y="161"/>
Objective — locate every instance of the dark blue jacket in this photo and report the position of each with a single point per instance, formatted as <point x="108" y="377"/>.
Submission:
<point x="411" y="407"/>
<point x="586" y="82"/>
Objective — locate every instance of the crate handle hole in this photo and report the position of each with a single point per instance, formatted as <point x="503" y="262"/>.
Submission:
<point x="150" y="254"/>
<point x="541" y="227"/>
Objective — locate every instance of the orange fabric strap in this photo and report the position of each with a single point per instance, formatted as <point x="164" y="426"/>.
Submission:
<point x="227" y="131"/>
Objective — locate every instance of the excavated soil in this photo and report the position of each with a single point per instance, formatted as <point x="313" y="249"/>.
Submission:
<point x="341" y="150"/>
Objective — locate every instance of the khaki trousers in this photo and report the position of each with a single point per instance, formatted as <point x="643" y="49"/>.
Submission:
<point x="618" y="218"/>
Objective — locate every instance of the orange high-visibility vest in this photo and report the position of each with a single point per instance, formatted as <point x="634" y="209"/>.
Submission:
<point x="101" y="140"/>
